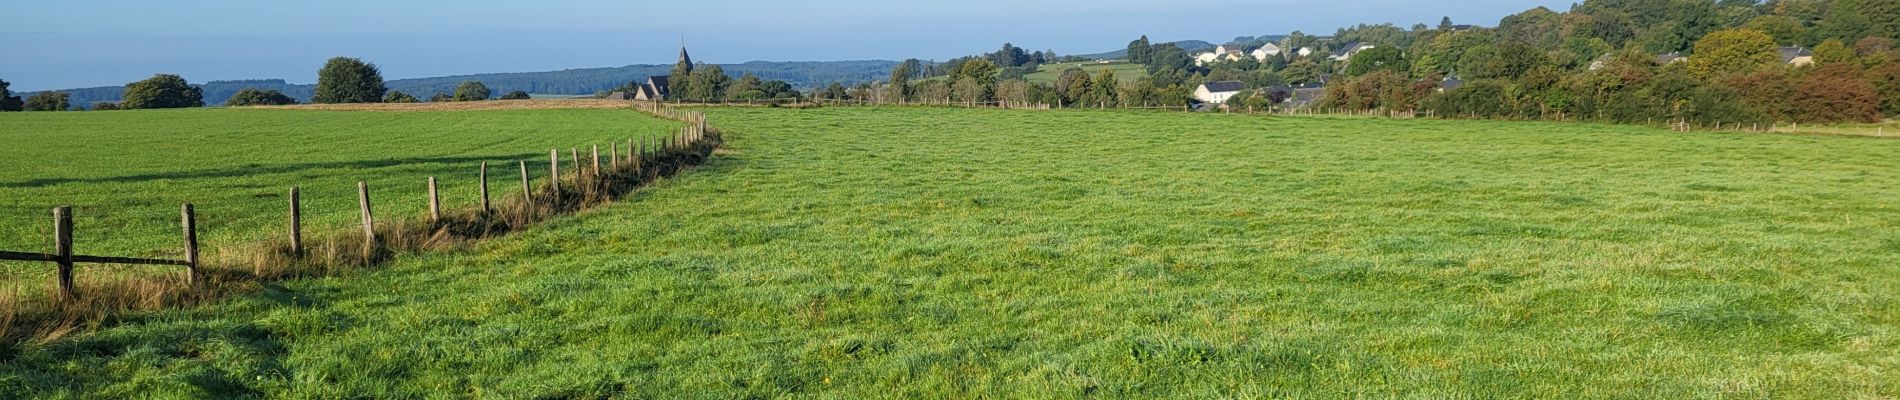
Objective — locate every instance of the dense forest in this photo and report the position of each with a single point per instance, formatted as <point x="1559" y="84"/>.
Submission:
<point x="587" y="81"/>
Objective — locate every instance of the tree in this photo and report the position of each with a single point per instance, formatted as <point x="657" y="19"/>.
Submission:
<point x="254" y="97"/>
<point x="900" y="78"/>
<point x="777" y="89"/>
<point x="1014" y="91"/>
<point x="836" y="92"/>
<point x="681" y="80"/>
<point x="399" y="97"/>
<point x="105" y="106"/>
<point x="982" y="70"/>
<point x="1835" y="93"/>
<point x="969" y="89"/>
<point x="1445" y="24"/>
<point x="1785" y="30"/>
<point x="748" y="87"/>
<point x="9" y="102"/>
<point x="440" y="97"/>
<point x="516" y="95"/>
<point x="348" y="80"/>
<point x="1538" y="27"/>
<point x="162" y="91"/>
<point x="1140" y="51"/>
<point x="1382" y="58"/>
<point x="1731" y="51"/>
<point x="1845" y="20"/>
<point x="49" y="101"/>
<point x="471" y="91"/>
<point x="709" y="84"/>
<point x="1832" y="51"/>
<point x="1886" y="81"/>
<point x="1140" y="93"/>
<point x="1301" y="71"/>
<point x="1072" y="86"/>
<point x="1102" y="90"/>
<point x="1010" y="56"/>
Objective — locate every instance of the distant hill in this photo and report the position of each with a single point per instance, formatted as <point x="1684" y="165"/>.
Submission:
<point x="1189" y="45"/>
<point x="801" y="74"/>
<point x="1259" y="39"/>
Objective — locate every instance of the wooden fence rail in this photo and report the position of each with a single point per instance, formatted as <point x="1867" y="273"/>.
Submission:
<point x="650" y="149"/>
<point x="64" y="257"/>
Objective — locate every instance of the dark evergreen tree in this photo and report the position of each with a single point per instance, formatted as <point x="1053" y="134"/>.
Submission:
<point x="9" y="102"/>
<point x="1140" y="51"/>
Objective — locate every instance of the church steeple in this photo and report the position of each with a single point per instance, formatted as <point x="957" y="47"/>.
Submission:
<point x="685" y="62"/>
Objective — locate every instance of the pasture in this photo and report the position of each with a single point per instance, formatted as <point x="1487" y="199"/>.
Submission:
<point x="1124" y="71"/>
<point x="125" y="173"/>
<point x="927" y="253"/>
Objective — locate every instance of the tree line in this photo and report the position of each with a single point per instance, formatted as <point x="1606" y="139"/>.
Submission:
<point x="341" y="80"/>
<point x="1729" y="62"/>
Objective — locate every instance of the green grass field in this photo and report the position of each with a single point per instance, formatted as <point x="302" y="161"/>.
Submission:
<point x="126" y="173"/>
<point x="1124" y="71"/>
<point x="929" y="253"/>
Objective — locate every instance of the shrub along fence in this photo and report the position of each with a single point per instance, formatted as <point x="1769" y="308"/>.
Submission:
<point x="572" y="187"/>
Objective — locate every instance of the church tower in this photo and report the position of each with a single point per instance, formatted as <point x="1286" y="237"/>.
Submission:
<point x="685" y="63"/>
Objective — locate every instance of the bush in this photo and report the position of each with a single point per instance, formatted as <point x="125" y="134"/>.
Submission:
<point x="105" y="106"/>
<point x="254" y="97"/>
<point x="441" y="97"/>
<point x="49" y="101"/>
<point x="471" y="91"/>
<point x="1835" y="93"/>
<point x="162" y="91"/>
<point x="348" y="80"/>
<point x="399" y="97"/>
<point x="1482" y="98"/>
<point x="515" y="95"/>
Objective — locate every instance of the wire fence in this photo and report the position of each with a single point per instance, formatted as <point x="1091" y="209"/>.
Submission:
<point x="569" y="179"/>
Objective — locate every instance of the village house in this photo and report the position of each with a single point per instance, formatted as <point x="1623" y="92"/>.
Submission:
<point x="1225" y="52"/>
<point x="1268" y="50"/>
<point x="1218" y="92"/>
<point x="1796" y="56"/>
<point x="1346" y="52"/>
<point x="1671" y="58"/>
<point x="1203" y="59"/>
<point x="657" y="88"/>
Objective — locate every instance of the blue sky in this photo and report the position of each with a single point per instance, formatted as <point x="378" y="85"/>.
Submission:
<point x="83" y="43"/>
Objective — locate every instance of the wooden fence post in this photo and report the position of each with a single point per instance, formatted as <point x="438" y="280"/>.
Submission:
<point x="435" y="205"/>
<point x="296" y="223"/>
<point x="63" y="250"/>
<point x="574" y="154"/>
<point x="484" y="178"/>
<point x="369" y="221"/>
<point x="527" y="192"/>
<point x="596" y="156"/>
<point x="188" y="217"/>
<point x="554" y="172"/>
<point x="613" y="154"/>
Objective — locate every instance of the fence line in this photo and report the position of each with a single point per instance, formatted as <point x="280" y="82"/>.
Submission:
<point x="653" y="158"/>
